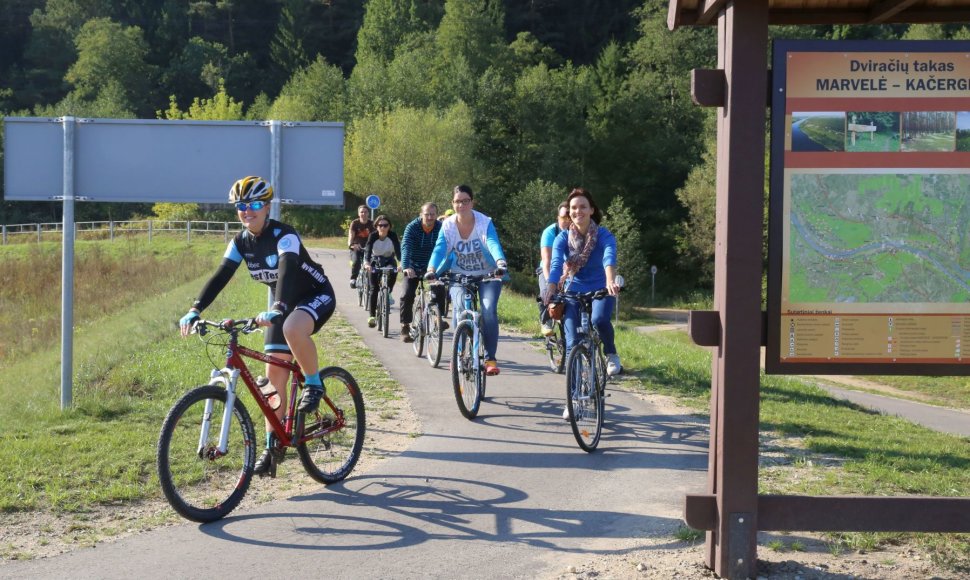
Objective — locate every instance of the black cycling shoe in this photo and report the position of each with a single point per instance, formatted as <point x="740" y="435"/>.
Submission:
<point x="310" y="401"/>
<point x="266" y="463"/>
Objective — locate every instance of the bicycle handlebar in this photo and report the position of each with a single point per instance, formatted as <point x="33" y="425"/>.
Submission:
<point x="246" y="325"/>
<point x="583" y="296"/>
<point x="592" y="295"/>
<point x="463" y="278"/>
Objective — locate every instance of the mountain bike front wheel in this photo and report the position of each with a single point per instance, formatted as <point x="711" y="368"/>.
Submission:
<point x="584" y="400"/>
<point x="329" y="451"/>
<point x="464" y="377"/>
<point x="384" y="314"/>
<point x="362" y="288"/>
<point x="432" y="325"/>
<point x="367" y="290"/>
<point x="200" y="483"/>
<point x="418" y="327"/>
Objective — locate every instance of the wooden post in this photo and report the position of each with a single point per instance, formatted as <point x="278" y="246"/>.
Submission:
<point x="733" y="461"/>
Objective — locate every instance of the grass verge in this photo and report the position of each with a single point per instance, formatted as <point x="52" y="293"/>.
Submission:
<point x="131" y="366"/>
<point x="812" y="443"/>
<point x="129" y="369"/>
<point x="108" y="276"/>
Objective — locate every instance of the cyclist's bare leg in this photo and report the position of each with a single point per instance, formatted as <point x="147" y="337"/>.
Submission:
<point x="279" y="378"/>
<point x="297" y="329"/>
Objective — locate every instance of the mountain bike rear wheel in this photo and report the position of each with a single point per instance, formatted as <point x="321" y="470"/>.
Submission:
<point x="327" y="453"/>
<point x="480" y="376"/>
<point x="584" y="400"/>
<point x="432" y="325"/>
<point x="601" y="376"/>
<point x="199" y="483"/>
<point x="464" y="377"/>
<point x="556" y="349"/>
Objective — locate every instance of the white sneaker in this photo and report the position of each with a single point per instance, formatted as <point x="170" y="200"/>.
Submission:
<point x="613" y="366"/>
<point x="548" y="328"/>
<point x="565" y="414"/>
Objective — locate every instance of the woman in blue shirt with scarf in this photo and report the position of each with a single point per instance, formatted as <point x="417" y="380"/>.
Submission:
<point x="585" y="255"/>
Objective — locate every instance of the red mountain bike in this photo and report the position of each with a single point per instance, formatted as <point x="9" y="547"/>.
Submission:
<point x="207" y="447"/>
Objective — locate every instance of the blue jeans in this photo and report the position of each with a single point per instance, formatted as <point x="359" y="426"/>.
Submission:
<point x="488" y="293"/>
<point x="600" y="318"/>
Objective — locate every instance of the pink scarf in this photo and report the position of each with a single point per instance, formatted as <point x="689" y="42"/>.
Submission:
<point x="580" y="246"/>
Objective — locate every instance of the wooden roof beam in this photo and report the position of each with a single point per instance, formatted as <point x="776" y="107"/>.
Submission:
<point x="918" y="16"/>
<point x="705" y="14"/>
<point x="675" y="15"/>
<point x="708" y="10"/>
<point x="887" y="9"/>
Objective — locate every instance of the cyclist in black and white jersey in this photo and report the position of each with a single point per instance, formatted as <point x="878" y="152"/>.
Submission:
<point x="303" y="297"/>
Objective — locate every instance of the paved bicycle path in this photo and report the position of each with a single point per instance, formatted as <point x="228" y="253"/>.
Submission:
<point x="507" y="495"/>
<point x="953" y="421"/>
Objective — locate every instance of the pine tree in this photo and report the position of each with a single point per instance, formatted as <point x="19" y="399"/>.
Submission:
<point x="286" y="48"/>
<point x="631" y="257"/>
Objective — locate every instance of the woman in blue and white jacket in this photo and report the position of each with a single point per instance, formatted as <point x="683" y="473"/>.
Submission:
<point x="468" y="244"/>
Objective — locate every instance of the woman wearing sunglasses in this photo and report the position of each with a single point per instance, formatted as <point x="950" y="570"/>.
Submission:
<point x="383" y="249"/>
<point x="303" y="297"/>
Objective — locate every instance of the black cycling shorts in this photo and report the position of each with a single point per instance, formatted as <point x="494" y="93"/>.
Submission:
<point x="319" y="306"/>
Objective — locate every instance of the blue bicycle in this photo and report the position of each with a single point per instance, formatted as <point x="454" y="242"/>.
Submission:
<point x="586" y="373"/>
<point x="468" y="347"/>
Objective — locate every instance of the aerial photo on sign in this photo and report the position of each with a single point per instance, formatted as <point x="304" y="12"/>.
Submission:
<point x="871" y="237"/>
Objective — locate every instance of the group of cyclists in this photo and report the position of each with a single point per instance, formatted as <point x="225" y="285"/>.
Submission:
<point x="577" y="255"/>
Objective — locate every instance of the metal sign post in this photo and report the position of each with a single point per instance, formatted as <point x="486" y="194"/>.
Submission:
<point x="67" y="268"/>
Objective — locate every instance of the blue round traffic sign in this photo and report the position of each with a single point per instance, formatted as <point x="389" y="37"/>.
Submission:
<point x="373" y="201"/>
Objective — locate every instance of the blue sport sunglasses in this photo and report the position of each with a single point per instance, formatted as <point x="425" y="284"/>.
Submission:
<point x="253" y="205"/>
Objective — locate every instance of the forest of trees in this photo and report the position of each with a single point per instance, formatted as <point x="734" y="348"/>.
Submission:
<point x="520" y="100"/>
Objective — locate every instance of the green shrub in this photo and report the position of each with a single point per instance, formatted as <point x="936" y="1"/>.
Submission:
<point x="315" y="221"/>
